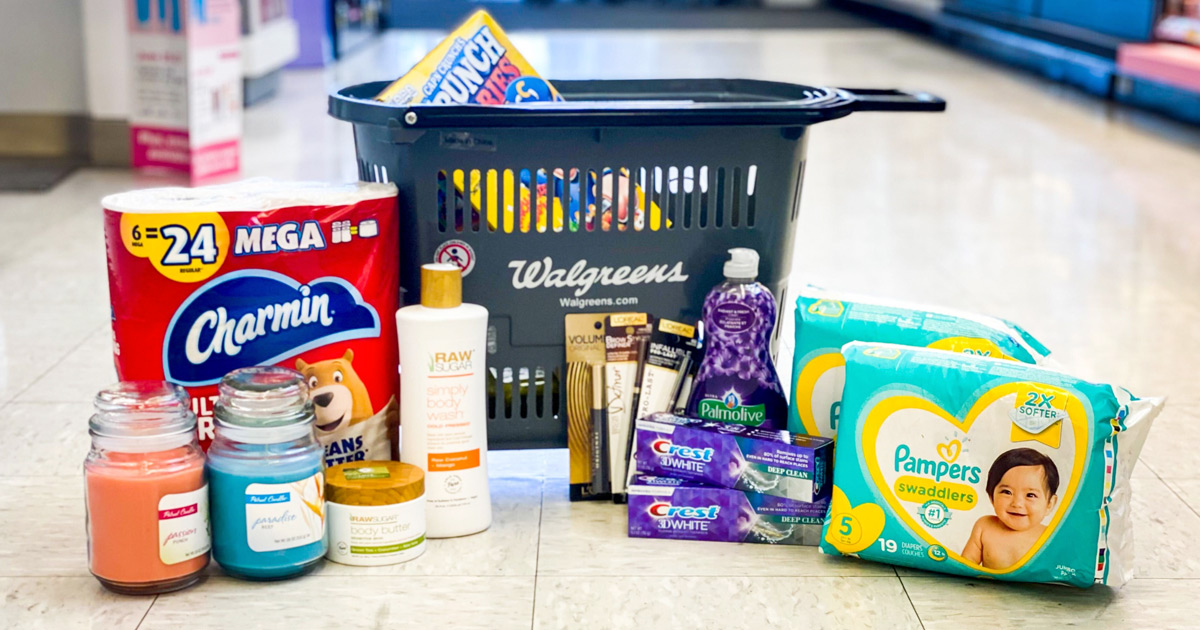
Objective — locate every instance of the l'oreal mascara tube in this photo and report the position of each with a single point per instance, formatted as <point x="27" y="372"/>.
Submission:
<point x="600" y="485"/>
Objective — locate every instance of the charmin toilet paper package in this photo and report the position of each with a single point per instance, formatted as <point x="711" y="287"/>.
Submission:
<point x="305" y="276"/>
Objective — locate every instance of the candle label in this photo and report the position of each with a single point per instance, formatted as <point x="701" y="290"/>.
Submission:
<point x="183" y="531"/>
<point x="285" y="515"/>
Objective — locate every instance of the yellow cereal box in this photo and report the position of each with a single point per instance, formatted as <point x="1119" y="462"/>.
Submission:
<point x="475" y="64"/>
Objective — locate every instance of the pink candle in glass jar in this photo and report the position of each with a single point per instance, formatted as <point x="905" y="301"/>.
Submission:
<point x="147" y="496"/>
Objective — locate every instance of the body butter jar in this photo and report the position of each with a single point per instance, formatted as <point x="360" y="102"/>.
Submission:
<point x="375" y="512"/>
<point x="147" y="503"/>
<point x="266" y="476"/>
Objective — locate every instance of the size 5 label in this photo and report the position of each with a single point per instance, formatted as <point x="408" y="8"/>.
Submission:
<point x="185" y="247"/>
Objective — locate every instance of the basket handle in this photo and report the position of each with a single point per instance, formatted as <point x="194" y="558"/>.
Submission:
<point x="871" y="100"/>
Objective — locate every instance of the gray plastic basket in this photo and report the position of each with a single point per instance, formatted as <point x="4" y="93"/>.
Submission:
<point x="723" y="161"/>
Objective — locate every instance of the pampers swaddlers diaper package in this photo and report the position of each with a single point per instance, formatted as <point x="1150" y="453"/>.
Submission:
<point x="827" y="320"/>
<point x="985" y="468"/>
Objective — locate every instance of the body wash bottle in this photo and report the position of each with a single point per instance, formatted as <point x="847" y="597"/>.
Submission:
<point x="737" y="382"/>
<point x="443" y="418"/>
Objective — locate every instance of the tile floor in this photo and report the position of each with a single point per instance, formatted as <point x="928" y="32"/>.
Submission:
<point x="1025" y="200"/>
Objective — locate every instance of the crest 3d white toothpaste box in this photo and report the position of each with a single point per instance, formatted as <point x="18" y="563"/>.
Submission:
<point x="734" y="456"/>
<point x="663" y="507"/>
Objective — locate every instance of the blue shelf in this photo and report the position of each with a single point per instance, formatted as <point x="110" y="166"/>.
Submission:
<point x="1089" y="72"/>
<point x="1130" y="20"/>
<point x="1059" y="50"/>
<point x="1174" y="101"/>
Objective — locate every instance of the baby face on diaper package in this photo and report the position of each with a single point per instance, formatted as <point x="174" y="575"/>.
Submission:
<point x="984" y="468"/>
<point x="826" y="320"/>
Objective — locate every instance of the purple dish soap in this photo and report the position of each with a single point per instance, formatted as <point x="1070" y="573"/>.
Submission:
<point x="737" y="382"/>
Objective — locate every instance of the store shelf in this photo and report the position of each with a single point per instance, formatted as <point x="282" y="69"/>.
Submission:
<point x="1162" y="77"/>
<point x="914" y="15"/>
<point x="1129" y="20"/>
<point x="1086" y="70"/>
<point x="1032" y="26"/>
<point x="1058" y="52"/>
<point x="270" y="48"/>
<point x="1177" y="65"/>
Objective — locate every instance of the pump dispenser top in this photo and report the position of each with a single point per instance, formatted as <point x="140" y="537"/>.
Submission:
<point x="742" y="264"/>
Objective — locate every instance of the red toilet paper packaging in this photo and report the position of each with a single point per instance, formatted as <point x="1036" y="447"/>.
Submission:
<point x="207" y="280"/>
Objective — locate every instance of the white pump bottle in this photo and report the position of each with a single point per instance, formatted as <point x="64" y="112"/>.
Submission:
<point x="443" y="388"/>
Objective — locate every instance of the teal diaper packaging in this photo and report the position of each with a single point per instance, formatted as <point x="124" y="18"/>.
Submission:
<point x="984" y="468"/>
<point x="827" y="320"/>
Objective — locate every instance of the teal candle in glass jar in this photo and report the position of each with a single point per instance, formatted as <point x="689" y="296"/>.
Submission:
<point x="266" y="476"/>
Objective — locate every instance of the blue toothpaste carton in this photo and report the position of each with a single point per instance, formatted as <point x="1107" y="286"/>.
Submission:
<point x="734" y="456"/>
<point x="662" y="507"/>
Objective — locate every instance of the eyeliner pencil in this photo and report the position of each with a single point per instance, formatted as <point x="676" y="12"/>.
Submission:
<point x="685" y="366"/>
<point x="686" y="380"/>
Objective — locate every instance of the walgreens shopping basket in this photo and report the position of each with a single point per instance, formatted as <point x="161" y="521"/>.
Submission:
<point x="699" y="166"/>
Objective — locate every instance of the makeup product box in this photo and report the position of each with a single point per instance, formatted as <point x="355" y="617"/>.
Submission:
<point x="664" y="507"/>
<point x="186" y="81"/>
<point x="734" y="456"/>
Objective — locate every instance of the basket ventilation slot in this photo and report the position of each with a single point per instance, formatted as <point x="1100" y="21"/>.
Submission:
<point x="368" y="172"/>
<point x="521" y="393"/>
<point x="617" y="199"/>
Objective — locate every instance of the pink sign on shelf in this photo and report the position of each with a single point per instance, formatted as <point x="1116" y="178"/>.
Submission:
<point x="187" y="86"/>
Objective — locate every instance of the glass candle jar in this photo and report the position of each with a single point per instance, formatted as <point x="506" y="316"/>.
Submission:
<point x="266" y="476"/>
<point x="147" y="502"/>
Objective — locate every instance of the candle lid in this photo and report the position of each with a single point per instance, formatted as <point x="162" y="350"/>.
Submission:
<point x="373" y="483"/>
<point x="263" y="404"/>
<point x="142" y="416"/>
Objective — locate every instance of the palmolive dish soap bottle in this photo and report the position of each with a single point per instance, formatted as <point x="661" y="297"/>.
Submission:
<point x="737" y="382"/>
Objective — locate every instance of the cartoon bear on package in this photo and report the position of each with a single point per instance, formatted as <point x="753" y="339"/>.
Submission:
<point x="347" y="425"/>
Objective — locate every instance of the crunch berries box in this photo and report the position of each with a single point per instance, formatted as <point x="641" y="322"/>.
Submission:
<point x="476" y="64"/>
<point x="662" y="507"/>
<point x="734" y="456"/>
<point x="305" y="276"/>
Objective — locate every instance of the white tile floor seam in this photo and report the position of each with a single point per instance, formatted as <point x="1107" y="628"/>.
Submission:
<point x="147" y="613"/>
<point x="916" y="612"/>
<point x="538" y="559"/>
<point x="1025" y="200"/>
